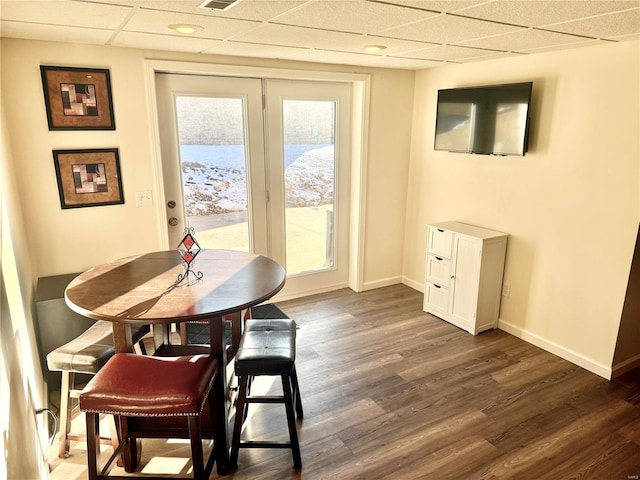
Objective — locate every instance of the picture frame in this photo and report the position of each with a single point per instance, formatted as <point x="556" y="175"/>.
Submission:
<point x="77" y="98"/>
<point x="88" y="178"/>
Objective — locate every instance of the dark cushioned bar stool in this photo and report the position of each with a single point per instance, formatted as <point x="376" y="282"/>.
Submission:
<point x="279" y="325"/>
<point x="137" y="386"/>
<point x="85" y="354"/>
<point x="267" y="347"/>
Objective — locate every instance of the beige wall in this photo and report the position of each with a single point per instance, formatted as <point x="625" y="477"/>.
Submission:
<point x="570" y="205"/>
<point x="24" y="436"/>
<point x="63" y="241"/>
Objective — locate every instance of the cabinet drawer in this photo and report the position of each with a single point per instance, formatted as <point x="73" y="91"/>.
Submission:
<point x="438" y="270"/>
<point x="440" y="242"/>
<point x="436" y="299"/>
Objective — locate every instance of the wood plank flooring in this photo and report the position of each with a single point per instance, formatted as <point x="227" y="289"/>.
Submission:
<point x="390" y="392"/>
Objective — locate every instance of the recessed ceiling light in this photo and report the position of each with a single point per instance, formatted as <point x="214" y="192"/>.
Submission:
<point x="184" y="28"/>
<point x="374" y="48"/>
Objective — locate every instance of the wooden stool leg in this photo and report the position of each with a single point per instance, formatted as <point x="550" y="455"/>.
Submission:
<point x="65" y="412"/>
<point x="237" y="429"/>
<point x="296" y="394"/>
<point x="93" y="445"/>
<point x="291" y="421"/>
<point x="245" y="410"/>
<point x="183" y="334"/>
<point x="133" y="450"/>
<point x="195" y="435"/>
<point x="219" y="456"/>
<point x="115" y="436"/>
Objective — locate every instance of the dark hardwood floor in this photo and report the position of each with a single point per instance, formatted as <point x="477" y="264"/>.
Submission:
<point x="391" y="392"/>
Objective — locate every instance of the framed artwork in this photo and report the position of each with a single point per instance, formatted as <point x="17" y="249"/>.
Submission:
<point x="77" y="98"/>
<point x="88" y="178"/>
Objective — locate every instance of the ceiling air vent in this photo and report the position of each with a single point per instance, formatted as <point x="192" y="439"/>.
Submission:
<point x="218" y="4"/>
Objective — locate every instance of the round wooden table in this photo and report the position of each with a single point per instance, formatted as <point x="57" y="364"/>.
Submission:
<point x="142" y="290"/>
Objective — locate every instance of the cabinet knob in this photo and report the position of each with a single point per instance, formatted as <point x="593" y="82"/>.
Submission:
<point x="453" y="276"/>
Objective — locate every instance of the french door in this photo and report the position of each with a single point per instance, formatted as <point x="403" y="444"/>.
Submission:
<point x="260" y="165"/>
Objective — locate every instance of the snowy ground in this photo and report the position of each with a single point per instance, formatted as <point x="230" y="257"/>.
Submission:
<point x="211" y="189"/>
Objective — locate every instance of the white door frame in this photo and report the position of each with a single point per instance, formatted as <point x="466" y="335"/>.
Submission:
<point x="360" y="108"/>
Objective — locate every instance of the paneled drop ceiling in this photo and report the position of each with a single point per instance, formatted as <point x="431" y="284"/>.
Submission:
<point x="416" y="34"/>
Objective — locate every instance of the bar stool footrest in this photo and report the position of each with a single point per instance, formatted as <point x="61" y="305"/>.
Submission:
<point x="265" y="399"/>
<point x="265" y="444"/>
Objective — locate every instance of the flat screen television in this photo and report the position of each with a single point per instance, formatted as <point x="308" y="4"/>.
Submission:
<point x="487" y="120"/>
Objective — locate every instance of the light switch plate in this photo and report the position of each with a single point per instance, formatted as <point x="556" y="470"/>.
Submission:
<point x="144" y="198"/>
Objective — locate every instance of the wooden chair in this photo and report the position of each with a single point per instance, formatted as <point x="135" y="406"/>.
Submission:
<point x="135" y="387"/>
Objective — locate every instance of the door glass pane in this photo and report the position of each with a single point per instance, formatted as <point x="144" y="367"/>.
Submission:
<point x="309" y="178"/>
<point x="214" y="174"/>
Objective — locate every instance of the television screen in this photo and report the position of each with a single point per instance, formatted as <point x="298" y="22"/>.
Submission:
<point x="489" y="120"/>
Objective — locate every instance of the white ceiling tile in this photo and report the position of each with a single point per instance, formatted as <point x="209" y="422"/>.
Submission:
<point x="162" y="42"/>
<point x="626" y="38"/>
<point x="604" y="26"/>
<point x="403" y="63"/>
<point x="535" y="13"/>
<point x="54" y="33"/>
<point x="524" y="40"/>
<point x="449" y="52"/>
<point x="448" y="29"/>
<point x="338" y="29"/>
<point x="252" y="50"/>
<point x="356" y="16"/>
<point x="64" y="12"/>
<point x="438" y="5"/>
<point x="393" y="45"/>
<point x="494" y="56"/>
<point x="152" y="21"/>
<point x="555" y="48"/>
<point x="342" y="58"/>
<point x="270" y="34"/>
<point x="257" y="10"/>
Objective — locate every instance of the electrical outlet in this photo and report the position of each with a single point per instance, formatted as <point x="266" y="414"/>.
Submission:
<point x="144" y="198"/>
<point x="506" y="289"/>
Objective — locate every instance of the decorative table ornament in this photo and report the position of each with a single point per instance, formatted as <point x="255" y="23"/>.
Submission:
<point x="189" y="249"/>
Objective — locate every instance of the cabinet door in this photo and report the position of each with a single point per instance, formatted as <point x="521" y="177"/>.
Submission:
<point x="464" y="301"/>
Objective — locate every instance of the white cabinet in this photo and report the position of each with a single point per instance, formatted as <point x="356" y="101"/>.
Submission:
<point x="463" y="278"/>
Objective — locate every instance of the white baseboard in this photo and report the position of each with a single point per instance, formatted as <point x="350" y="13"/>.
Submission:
<point x="280" y="297"/>
<point x="419" y="286"/>
<point x="385" y="282"/>
<point x="552" y="347"/>
<point x="626" y="366"/>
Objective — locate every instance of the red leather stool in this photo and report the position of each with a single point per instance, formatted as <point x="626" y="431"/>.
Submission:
<point x="135" y="386"/>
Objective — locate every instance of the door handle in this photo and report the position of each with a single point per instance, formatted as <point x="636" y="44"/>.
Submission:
<point x="173" y="221"/>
